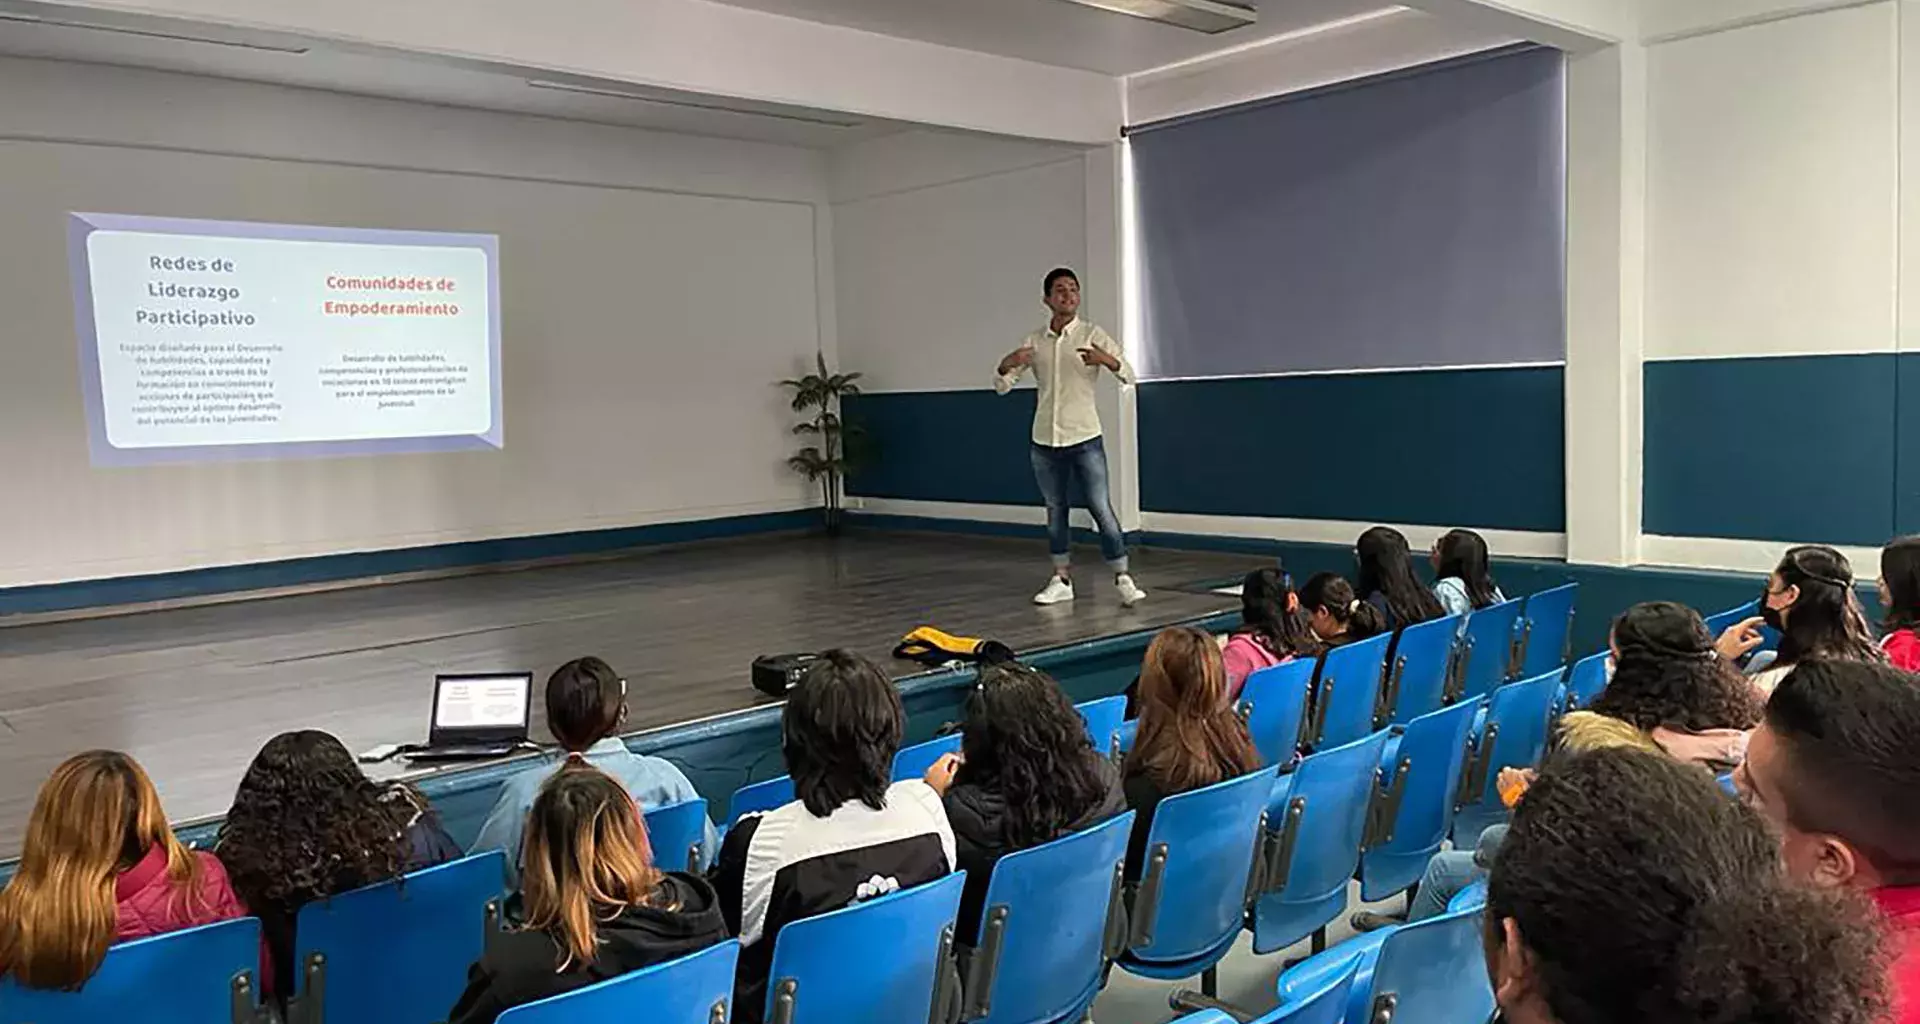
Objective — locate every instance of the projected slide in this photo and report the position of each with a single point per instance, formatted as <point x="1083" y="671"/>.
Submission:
<point x="218" y="339"/>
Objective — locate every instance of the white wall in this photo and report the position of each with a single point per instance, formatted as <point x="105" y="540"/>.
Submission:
<point x="653" y="288"/>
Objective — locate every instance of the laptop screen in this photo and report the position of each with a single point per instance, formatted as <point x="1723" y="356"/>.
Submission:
<point x="493" y="705"/>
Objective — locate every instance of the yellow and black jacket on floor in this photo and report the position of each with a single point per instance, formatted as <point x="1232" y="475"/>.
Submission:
<point x="930" y="646"/>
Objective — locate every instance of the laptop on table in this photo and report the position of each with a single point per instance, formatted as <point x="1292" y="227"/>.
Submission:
<point x="477" y="716"/>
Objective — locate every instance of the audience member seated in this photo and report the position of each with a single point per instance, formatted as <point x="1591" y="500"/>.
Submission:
<point x="1900" y="596"/>
<point x="1631" y="889"/>
<point x="1670" y="684"/>
<point x="847" y="836"/>
<point x="1335" y="614"/>
<point x="596" y="905"/>
<point x="1273" y="628"/>
<point x="1189" y="735"/>
<point x="99" y="866"/>
<point x="1809" y="599"/>
<point x="1026" y="774"/>
<point x="1465" y="576"/>
<point x="306" y="824"/>
<point x="1387" y="581"/>
<point x="1836" y="767"/>
<point x="586" y="705"/>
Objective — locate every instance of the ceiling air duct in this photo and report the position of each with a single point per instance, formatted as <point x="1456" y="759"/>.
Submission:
<point x="1209" y="16"/>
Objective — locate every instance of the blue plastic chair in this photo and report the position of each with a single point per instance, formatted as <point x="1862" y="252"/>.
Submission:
<point x="1486" y="650"/>
<point x="1322" y="1001"/>
<point x="1717" y="624"/>
<point x="200" y="975"/>
<point x="1416" y="676"/>
<point x="1514" y="735"/>
<point x="1316" y="820"/>
<point x="883" y="961"/>
<point x="1588" y="678"/>
<point x="1103" y="718"/>
<point x="397" y="951"/>
<point x="1347" y="691"/>
<point x="1123" y="737"/>
<point x="1421" y="769"/>
<point x="1053" y="918"/>
<point x="676" y="831"/>
<point x="913" y="762"/>
<point x="1428" y="972"/>
<point x="694" y="989"/>
<point x="1473" y="897"/>
<point x="1199" y="872"/>
<point x="764" y="795"/>
<point x="1273" y="703"/>
<point x="1546" y="631"/>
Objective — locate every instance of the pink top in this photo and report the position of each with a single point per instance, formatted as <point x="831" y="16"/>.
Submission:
<point x="151" y="903"/>
<point x="1245" y="655"/>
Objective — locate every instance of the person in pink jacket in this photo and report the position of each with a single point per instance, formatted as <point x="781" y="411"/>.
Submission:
<point x="1272" y="628"/>
<point x="101" y="866"/>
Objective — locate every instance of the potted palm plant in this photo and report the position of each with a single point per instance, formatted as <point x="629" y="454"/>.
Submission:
<point x="826" y="461"/>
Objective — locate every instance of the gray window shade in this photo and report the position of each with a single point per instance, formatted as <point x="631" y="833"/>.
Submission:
<point x="1417" y="219"/>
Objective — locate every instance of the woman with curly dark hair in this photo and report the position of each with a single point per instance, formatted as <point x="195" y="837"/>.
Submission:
<point x="306" y="824"/>
<point x="1669" y="683"/>
<point x="1027" y="774"/>
<point x="1631" y="889"/>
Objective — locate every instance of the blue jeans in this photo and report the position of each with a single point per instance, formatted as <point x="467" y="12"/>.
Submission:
<point x="1055" y="469"/>
<point x="1453" y="870"/>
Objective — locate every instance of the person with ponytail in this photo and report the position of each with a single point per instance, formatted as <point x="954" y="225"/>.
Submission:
<point x="1900" y="596"/>
<point x="1335" y="615"/>
<point x="596" y="905"/>
<point x="100" y="866"/>
<point x="1273" y="628"/>
<point x="1387" y="581"/>
<point x="1809" y="599"/>
<point x="1189" y="735"/>
<point x="1465" y="581"/>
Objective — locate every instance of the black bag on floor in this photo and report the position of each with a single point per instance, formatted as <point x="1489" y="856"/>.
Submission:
<point x="775" y="674"/>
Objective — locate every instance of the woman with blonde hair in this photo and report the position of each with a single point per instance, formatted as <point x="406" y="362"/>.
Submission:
<point x="100" y="866"/>
<point x="596" y="906"/>
<point x="1188" y="736"/>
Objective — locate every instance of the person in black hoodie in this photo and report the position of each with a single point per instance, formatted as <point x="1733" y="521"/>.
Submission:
<point x="596" y="907"/>
<point x="1027" y="774"/>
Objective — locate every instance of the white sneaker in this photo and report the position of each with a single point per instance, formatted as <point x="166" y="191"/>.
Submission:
<point x="1130" y="592"/>
<point x="1058" y="589"/>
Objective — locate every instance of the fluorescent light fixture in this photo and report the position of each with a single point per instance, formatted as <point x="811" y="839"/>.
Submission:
<point x="146" y="33"/>
<point x="1209" y="16"/>
<point x="621" y="94"/>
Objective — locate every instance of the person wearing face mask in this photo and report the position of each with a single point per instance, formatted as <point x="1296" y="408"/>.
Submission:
<point x="1835" y="767"/>
<point x="1809" y="599"/>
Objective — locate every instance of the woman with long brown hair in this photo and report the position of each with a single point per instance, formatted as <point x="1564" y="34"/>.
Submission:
<point x="100" y="866"/>
<point x="1188" y="736"/>
<point x="596" y="906"/>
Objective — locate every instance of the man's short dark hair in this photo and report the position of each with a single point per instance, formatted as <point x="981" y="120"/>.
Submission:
<point x="584" y="699"/>
<point x="1056" y="274"/>
<point x="1849" y="738"/>
<point x="840" y="730"/>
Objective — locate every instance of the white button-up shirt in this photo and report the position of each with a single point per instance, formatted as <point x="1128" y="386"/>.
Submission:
<point x="1065" y="414"/>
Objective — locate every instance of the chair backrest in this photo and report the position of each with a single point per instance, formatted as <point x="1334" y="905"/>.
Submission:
<point x="397" y="951"/>
<point x="884" y="961"/>
<point x="1717" y="624"/>
<point x="675" y="832"/>
<point x="1199" y="859"/>
<point x="694" y="989"/>
<point x="1486" y="648"/>
<point x="1045" y="937"/>
<point x="1346" y="692"/>
<point x="1273" y="702"/>
<point x="1588" y="678"/>
<point x="1322" y="1000"/>
<point x="1546" y="637"/>
<point x="1432" y="972"/>
<point x="201" y="975"/>
<point x="1317" y="821"/>
<point x="1103" y="718"/>
<point x="1422" y="781"/>
<point x="1416" y="674"/>
<point x="913" y="762"/>
<point x="1473" y="897"/>
<point x="1515" y="734"/>
<point x="1123" y="736"/>
<point x="764" y="795"/>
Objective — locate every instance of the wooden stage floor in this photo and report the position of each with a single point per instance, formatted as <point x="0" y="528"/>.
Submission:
<point x="194" y="692"/>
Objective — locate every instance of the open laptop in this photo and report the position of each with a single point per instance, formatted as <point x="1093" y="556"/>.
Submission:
<point x="476" y="716"/>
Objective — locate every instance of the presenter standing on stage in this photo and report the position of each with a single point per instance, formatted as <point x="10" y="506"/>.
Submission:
<point x="1066" y="358"/>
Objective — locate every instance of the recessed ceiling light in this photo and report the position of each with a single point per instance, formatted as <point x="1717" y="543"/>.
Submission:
<point x="147" y="33"/>
<point x="1210" y="16"/>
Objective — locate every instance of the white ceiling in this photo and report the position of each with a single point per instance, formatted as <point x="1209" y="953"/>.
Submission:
<point x="1061" y="33"/>
<point x="433" y="80"/>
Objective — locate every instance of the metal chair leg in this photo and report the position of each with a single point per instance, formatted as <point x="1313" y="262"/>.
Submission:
<point x="1320" y="939"/>
<point x="1210" y="982"/>
<point x="1186" y="1001"/>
